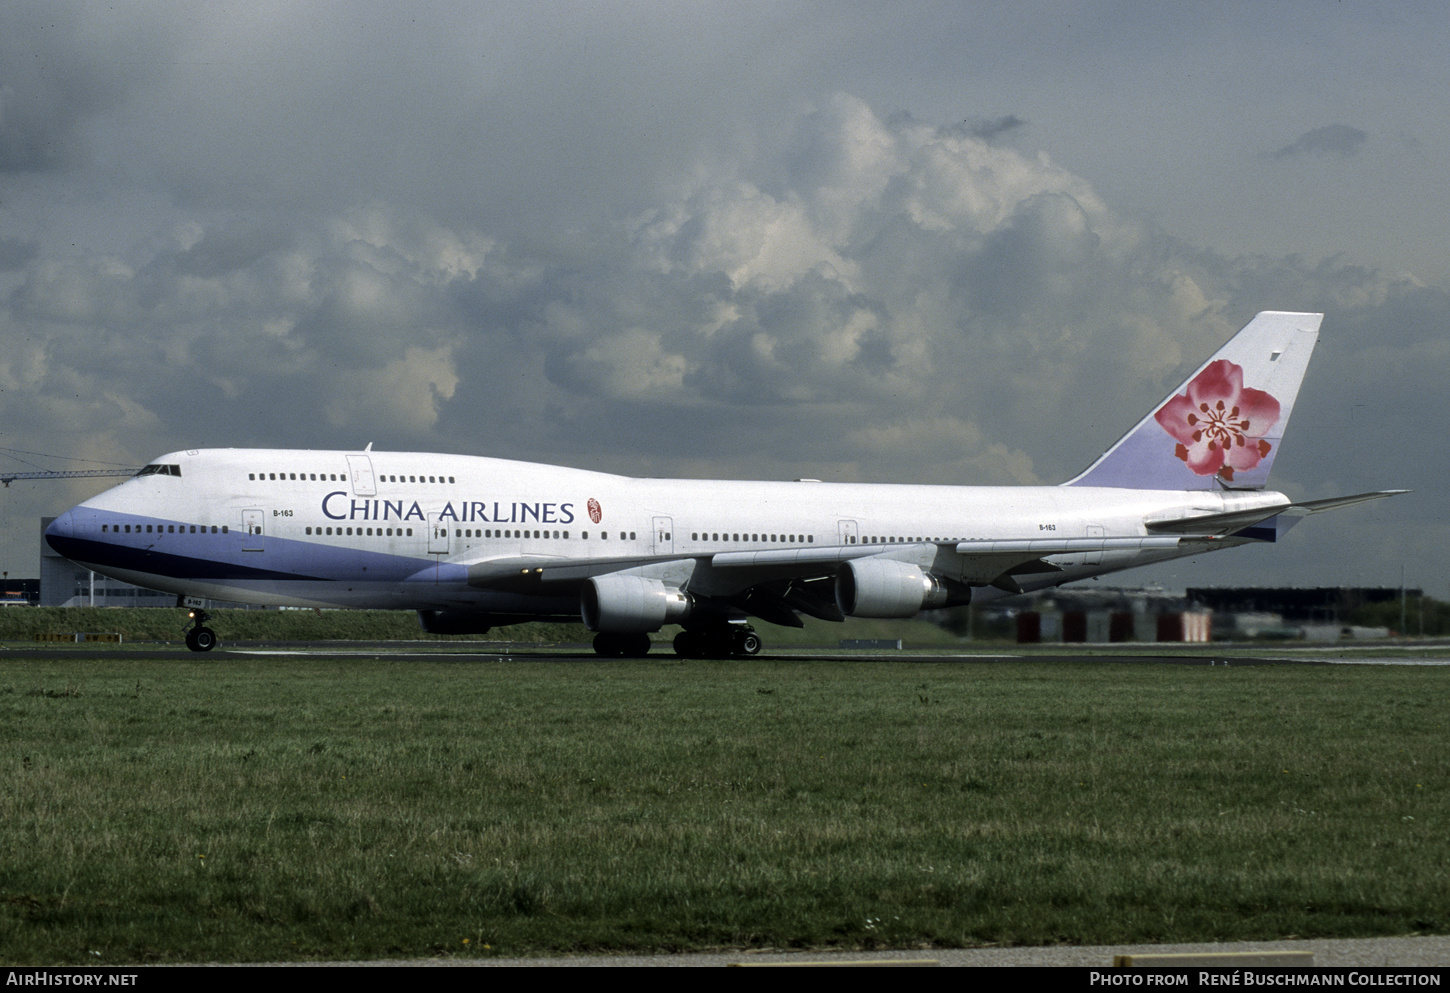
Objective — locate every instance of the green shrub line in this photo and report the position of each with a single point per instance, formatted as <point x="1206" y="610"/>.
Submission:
<point x="141" y="624"/>
<point x="165" y="807"/>
<point x="166" y="625"/>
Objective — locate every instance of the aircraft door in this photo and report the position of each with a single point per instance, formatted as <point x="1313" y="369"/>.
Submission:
<point x="664" y="536"/>
<point x="252" y="530"/>
<point x="1096" y="531"/>
<point x="846" y="532"/>
<point x="360" y="470"/>
<point x="437" y="536"/>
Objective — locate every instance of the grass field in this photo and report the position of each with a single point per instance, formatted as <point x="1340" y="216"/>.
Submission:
<point x="168" y="808"/>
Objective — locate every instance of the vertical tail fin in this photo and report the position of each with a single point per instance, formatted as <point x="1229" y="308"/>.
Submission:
<point x="1223" y="425"/>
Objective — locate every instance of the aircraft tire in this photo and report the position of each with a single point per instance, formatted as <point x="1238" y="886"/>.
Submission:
<point x="621" y="646"/>
<point x="747" y="643"/>
<point x="716" y="644"/>
<point x="201" y="639"/>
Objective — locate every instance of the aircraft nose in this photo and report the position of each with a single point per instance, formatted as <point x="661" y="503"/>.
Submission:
<point x="63" y="532"/>
<point x="62" y="527"/>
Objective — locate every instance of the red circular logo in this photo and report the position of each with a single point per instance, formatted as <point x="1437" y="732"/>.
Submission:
<point x="595" y="513"/>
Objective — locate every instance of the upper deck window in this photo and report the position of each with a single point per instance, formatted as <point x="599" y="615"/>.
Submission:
<point x="157" y="469"/>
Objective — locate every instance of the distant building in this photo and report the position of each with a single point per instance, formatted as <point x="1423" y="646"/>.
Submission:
<point x="1107" y="614"/>
<point x="1111" y="614"/>
<point x="20" y="593"/>
<point x="1314" y="605"/>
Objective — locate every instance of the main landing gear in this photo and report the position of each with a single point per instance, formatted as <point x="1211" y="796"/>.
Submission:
<point x="718" y="642"/>
<point x="199" y="637"/>
<point x="614" y="645"/>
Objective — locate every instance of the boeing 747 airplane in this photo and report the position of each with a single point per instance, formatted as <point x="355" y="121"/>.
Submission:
<point x="475" y="543"/>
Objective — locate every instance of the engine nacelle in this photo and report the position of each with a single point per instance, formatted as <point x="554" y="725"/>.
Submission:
<point x="631" y="604"/>
<point x="886" y="588"/>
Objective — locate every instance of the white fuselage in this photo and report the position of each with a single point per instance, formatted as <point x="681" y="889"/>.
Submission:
<point x="431" y="532"/>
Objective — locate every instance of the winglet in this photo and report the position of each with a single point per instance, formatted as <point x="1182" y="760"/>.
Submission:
<point x="1221" y="428"/>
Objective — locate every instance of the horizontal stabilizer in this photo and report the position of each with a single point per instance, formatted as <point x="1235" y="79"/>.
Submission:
<point x="1225" y="523"/>
<point x="1316" y="506"/>
<point x="1265" y="522"/>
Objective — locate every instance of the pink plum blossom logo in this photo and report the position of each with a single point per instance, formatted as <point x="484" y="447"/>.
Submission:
<point x="1220" y="423"/>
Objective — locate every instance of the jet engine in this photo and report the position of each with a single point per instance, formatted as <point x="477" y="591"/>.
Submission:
<point x="631" y="604"/>
<point x="886" y="588"/>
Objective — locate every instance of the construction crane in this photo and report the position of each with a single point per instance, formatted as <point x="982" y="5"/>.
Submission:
<point x="8" y="477"/>
<point x="36" y="472"/>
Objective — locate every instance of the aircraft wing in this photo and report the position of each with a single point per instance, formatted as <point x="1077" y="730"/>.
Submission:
<point x="972" y="563"/>
<point x="975" y="563"/>
<point x="518" y="571"/>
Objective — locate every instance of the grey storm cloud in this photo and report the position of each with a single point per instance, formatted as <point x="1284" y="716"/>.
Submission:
<point x="58" y="73"/>
<point x="994" y="127"/>
<point x="16" y="252"/>
<point x="1331" y="141"/>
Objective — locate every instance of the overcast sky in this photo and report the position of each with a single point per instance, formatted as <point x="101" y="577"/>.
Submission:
<point x="948" y="242"/>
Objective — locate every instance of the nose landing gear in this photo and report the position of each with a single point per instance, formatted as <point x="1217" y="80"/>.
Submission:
<point x="199" y="637"/>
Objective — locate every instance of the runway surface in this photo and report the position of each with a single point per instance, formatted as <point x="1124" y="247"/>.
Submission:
<point x="1397" y="653"/>
<point x="1410" y="952"/>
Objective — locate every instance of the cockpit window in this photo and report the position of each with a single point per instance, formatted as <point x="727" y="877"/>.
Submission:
<point x="157" y="469"/>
